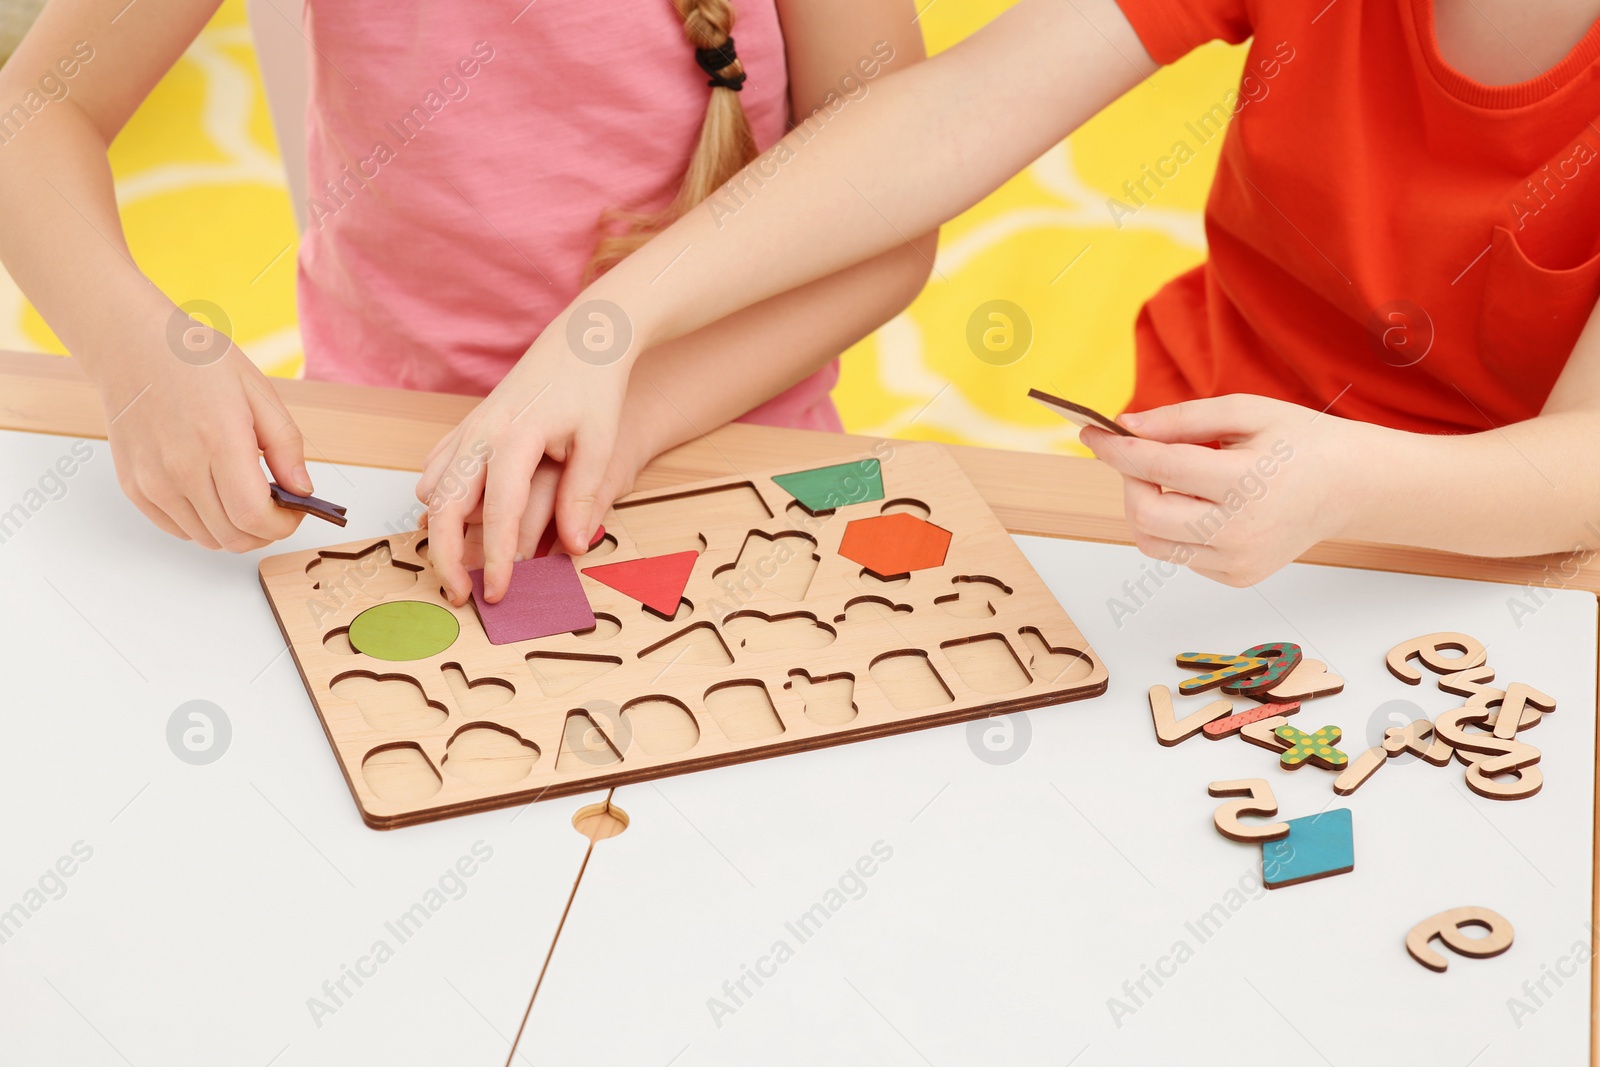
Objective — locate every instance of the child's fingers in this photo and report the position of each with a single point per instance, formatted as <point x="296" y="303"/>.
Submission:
<point x="1191" y="469"/>
<point x="177" y="507"/>
<point x="1197" y="421"/>
<point x="1222" y="577"/>
<point x="1174" y="517"/>
<point x="578" y="492"/>
<point x="155" y="514"/>
<point x="505" y="497"/>
<point x="541" y="504"/>
<point x="472" y="546"/>
<point x="617" y="482"/>
<point x="446" y="535"/>
<point x="207" y="501"/>
<point x="242" y="489"/>
<point x="436" y="464"/>
<point x="281" y="443"/>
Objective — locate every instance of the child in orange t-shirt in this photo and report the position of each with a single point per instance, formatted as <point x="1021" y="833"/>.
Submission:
<point x="1392" y="339"/>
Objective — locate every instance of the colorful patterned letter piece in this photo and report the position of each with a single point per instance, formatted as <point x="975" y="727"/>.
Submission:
<point x="1228" y="667"/>
<point x="1285" y="657"/>
<point x="1234" y="723"/>
<point x="1317" y="846"/>
<point x="1316" y="748"/>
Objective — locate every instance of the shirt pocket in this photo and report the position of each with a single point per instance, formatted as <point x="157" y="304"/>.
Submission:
<point x="1531" y="316"/>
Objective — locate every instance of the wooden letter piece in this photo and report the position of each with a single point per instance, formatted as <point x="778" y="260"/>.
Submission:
<point x="311" y="505"/>
<point x="1446" y="926"/>
<point x="1312" y="748"/>
<point x="1470" y="681"/>
<point x="1264" y="734"/>
<point x="1171" y="731"/>
<point x="1498" y="757"/>
<point x="1258" y="800"/>
<point x="1513" y="713"/>
<point x="1360" y="769"/>
<point x="1234" y="723"/>
<point x="1413" y="738"/>
<point x="1310" y="679"/>
<point x="1285" y="656"/>
<point x="1428" y="650"/>
<point x="1227" y="669"/>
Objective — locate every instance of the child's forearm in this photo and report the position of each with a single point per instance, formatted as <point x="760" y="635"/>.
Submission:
<point x="690" y="386"/>
<point x="61" y="238"/>
<point x="1521" y="490"/>
<point x="924" y="145"/>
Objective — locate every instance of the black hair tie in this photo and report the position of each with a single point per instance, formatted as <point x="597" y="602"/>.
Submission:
<point x="722" y="57"/>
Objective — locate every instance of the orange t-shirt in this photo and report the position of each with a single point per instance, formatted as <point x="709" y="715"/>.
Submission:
<point x="1384" y="232"/>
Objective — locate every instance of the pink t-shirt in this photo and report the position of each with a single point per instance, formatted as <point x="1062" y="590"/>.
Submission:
<point x="460" y="155"/>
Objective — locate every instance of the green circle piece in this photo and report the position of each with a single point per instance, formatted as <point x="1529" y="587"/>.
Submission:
<point x="404" y="630"/>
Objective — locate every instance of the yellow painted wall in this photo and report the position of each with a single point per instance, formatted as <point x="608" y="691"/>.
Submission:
<point x="207" y="215"/>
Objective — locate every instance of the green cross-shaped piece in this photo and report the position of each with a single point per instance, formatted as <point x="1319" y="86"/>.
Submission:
<point x="1317" y="747"/>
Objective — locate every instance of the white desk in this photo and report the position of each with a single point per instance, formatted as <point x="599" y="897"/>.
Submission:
<point x="220" y="897"/>
<point x="1018" y="899"/>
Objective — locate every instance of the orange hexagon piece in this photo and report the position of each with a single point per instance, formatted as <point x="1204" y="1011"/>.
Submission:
<point x="890" y="545"/>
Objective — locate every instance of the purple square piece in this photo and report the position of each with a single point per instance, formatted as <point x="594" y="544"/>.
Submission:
<point x="545" y="598"/>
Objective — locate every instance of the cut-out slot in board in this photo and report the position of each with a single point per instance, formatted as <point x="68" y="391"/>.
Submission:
<point x="400" y="773"/>
<point x="585" y="744"/>
<point x="826" y="701"/>
<point x="487" y="754"/>
<point x="782" y="564"/>
<point x="390" y="703"/>
<point x="661" y="726"/>
<point x="364" y="576"/>
<point x="909" y="681"/>
<point x="560" y="673"/>
<point x="698" y="645"/>
<point x="756" y="631"/>
<point x="676" y="522"/>
<point x="739" y="673"/>
<point x="986" y="664"/>
<point x="743" y="710"/>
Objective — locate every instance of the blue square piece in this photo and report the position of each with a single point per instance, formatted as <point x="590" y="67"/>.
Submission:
<point x="1317" y="846"/>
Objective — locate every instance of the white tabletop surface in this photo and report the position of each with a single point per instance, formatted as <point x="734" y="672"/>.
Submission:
<point x="1021" y="870"/>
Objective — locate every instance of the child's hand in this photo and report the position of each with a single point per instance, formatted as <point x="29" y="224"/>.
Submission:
<point x="550" y="405"/>
<point x="187" y="440"/>
<point x="626" y="464"/>
<point x="1280" y="482"/>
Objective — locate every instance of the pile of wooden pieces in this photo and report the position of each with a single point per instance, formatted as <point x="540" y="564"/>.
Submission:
<point x="1481" y="734"/>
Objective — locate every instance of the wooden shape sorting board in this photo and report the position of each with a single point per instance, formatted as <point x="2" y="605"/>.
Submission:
<point x="641" y="696"/>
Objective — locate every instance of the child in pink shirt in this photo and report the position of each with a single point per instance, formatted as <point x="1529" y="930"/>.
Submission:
<point x="471" y="167"/>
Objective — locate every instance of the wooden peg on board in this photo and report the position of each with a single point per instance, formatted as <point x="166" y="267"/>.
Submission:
<point x="1429" y="650"/>
<point x="1170" y="730"/>
<point x="1258" y="800"/>
<point x="1446" y="926"/>
<point x="1361" y="768"/>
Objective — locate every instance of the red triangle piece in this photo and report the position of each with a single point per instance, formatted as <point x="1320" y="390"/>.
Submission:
<point x="657" y="582"/>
